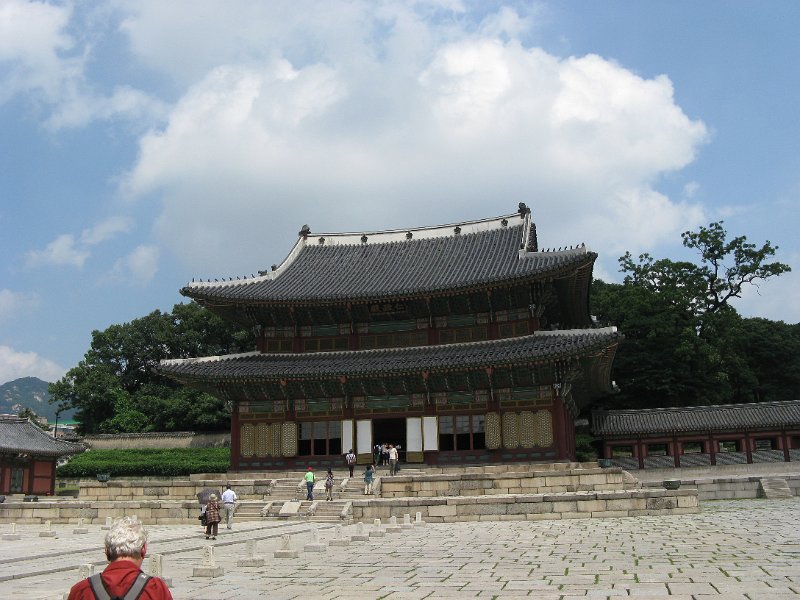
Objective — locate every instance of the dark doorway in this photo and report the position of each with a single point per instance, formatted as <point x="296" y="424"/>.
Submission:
<point x="390" y="431"/>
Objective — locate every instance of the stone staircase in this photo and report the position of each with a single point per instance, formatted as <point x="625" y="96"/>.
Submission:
<point x="773" y="488"/>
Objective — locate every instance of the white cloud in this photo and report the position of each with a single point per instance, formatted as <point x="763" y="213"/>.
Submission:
<point x="48" y="64"/>
<point x="391" y="120"/>
<point x="106" y="230"/>
<point x="139" y="267"/>
<point x="62" y="251"/>
<point x="14" y="303"/>
<point x="66" y="250"/>
<point x="14" y="364"/>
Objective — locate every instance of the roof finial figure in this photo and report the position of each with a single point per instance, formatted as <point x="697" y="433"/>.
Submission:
<point x="305" y="231"/>
<point x="523" y="209"/>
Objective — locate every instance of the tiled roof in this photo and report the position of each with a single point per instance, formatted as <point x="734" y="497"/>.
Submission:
<point x="760" y="415"/>
<point x="542" y="345"/>
<point x="20" y="436"/>
<point x="333" y="267"/>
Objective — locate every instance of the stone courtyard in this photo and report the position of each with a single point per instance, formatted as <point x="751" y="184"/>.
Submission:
<point x="744" y="549"/>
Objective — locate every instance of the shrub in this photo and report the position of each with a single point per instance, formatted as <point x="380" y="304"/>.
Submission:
<point x="154" y="463"/>
<point x="585" y="447"/>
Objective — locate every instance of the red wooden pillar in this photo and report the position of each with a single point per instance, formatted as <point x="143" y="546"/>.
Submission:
<point x="235" y="437"/>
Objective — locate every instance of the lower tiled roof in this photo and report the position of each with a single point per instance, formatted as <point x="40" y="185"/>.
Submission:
<point x="760" y="415"/>
<point x="20" y="436"/>
<point x="538" y="347"/>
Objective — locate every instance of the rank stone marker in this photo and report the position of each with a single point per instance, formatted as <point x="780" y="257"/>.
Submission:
<point x="360" y="535"/>
<point x="393" y="527"/>
<point x="338" y="540"/>
<point x="209" y="566"/>
<point x="109" y="522"/>
<point x="12" y="535"/>
<point x="80" y="529"/>
<point x="85" y="571"/>
<point x="377" y="530"/>
<point x="47" y="531"/>
<point x="251" y="560"/>
<point x="407" y="524"/>
<point x="156" y="567"/>
<point x="418" y="522"/>
<point x="286" y="549"/>
<point x="315" y="545"/>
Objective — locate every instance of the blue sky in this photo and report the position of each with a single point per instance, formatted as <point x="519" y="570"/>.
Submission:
<point x="144" y="143"/>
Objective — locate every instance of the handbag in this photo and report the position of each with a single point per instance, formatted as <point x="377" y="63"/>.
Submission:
<point x="203" y="519"/>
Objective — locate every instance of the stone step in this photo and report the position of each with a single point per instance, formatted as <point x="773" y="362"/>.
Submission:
<point x="773" y="488"/>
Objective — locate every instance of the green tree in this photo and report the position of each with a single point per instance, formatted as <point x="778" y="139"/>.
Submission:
<point x="116" y="388"/>
<point x="684" y="340"/>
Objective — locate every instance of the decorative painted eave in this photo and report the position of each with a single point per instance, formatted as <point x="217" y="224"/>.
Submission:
<point x="341" y="267"/>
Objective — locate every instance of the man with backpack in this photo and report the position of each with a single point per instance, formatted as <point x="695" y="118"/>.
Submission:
<point x="123" y="579"/>
<point x="350" y="459"/>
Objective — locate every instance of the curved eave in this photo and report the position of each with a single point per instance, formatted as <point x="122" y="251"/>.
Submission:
<point x="212" y="300"/>
<point x="398" y="362"/>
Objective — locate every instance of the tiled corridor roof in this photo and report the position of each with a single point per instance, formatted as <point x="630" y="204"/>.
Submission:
<point x="20" y="436"/>
<point x="758" y="415"/>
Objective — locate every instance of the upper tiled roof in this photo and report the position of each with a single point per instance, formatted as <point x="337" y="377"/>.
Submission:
<point x="760" y="415"/>
<point x="334" y="267"/>
<point x="20" y="436"/>
<point x="542" y="345"/>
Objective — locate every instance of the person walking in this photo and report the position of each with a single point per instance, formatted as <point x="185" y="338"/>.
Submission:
<point x="369" y="476"/>
<point x="212" y="517"/>
<point x="350" y="459"/>
<point x="126" y="547"/>
<point x="310" y="479"/>
<point x="329" y="486"/>
<point x="229" y="499"/>
<point x="392" y="459"/>
<point x="376" y="454"/>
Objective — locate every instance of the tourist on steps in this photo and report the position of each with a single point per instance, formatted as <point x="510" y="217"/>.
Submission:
<point x="310" y="479"/>
<point x="329" y="486"/>
<point x="369" y="476"/>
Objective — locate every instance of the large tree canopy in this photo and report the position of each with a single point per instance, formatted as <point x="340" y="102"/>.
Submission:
<point x="115" y="388"/>
<point x="685" y="343"/>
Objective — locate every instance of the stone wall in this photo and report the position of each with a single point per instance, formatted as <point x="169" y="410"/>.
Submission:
<point x="141" y="489"/>
<point x="577" y="505"/>
<point x="492" y="482"/>
<point x="143" y="441"/>
<point x="61" y="511"/>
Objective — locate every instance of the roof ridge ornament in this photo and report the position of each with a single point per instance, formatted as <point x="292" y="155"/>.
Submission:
<point x="523" y="209"/>
<point x="304" y="232"/>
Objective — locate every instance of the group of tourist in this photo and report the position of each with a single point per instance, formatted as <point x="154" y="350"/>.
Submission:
<point x="384" y="454"/>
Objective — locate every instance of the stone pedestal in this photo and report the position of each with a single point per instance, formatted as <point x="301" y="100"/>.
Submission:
<point x="12" y="534"/>
<point x="338" y="540"/>
<point x="286" y="550"/>
<point x="407" y="524"/>
<point x="108" y="524"/>
<point x="393" y="527"/>
<point x="377" y="530"/>
<point x="250" y="560"/>
<point x="47" y="531"/>
<point x="360" y="535"/>
<point x="209" y="566"/>
<point x="315" y="545"/>
<point x="80" y="529"/>
<point x="418" y="522"/>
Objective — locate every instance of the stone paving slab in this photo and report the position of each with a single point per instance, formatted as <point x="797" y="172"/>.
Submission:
<point x="734" y="550"/>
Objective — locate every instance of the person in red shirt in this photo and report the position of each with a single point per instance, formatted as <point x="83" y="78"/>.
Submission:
<point x="126" y="547"/>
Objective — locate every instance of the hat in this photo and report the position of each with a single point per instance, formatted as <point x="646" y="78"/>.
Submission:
<point x="310" y="468"/>
<point x="212" y="497"/>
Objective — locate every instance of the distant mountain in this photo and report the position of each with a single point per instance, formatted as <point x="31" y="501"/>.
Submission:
<point x="29" y="392"/>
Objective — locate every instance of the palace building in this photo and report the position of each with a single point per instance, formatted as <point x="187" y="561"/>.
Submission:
<point x="462" y="343"/>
